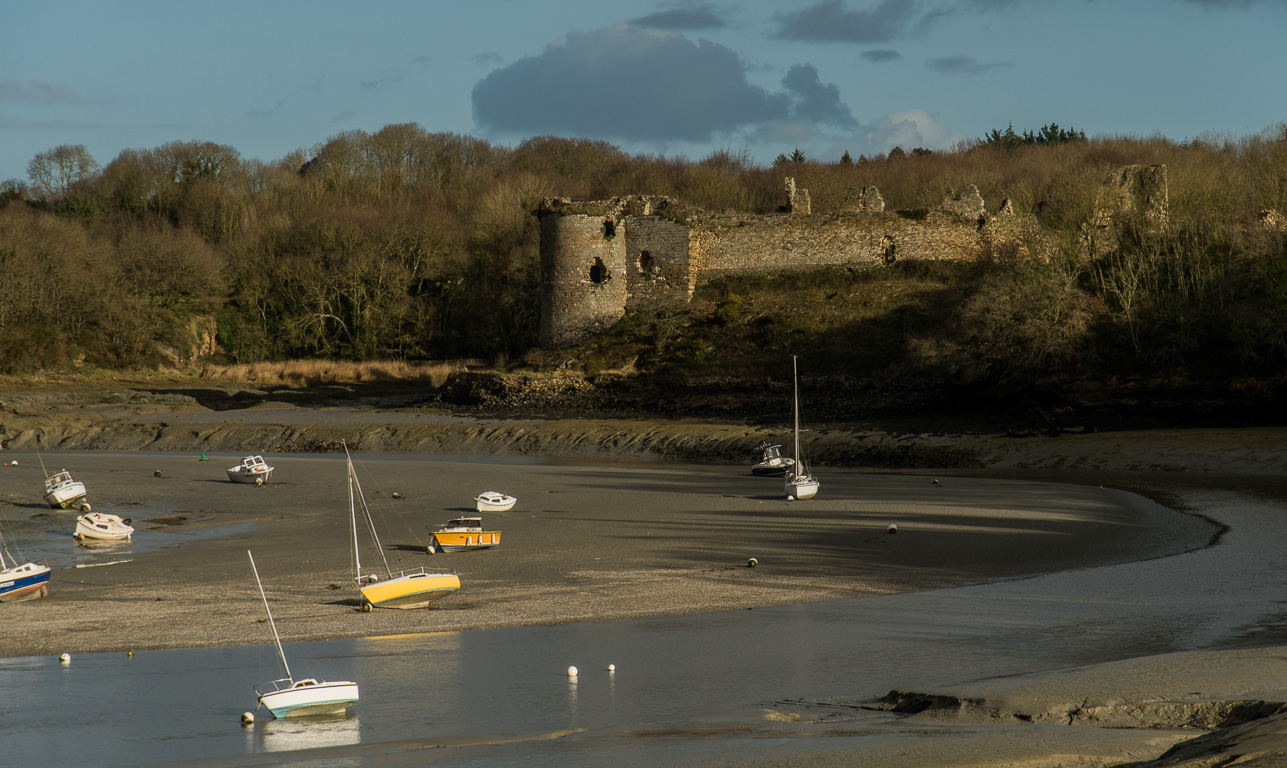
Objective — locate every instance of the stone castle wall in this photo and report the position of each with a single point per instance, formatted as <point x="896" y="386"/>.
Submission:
<point x="602" y="259"/>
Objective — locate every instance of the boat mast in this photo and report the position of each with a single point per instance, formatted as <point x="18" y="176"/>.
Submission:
<point x="277" y="639"/>
<point x="354" y="483"/>
<point x="357" y="557"/>
<point x="795" y="377"/>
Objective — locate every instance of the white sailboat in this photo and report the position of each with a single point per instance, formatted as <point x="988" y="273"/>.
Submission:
<point x="800" y="484"/>
<point x="289" y="697"/>
<point x="21" y="581"/>
<point x="404" y="589"/>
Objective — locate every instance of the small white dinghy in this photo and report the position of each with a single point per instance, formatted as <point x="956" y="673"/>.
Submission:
<point x="289" y="697"/>
<point x="252" y="469"/>
<point x="494" y="501"/>
<point x="97" y="525"/>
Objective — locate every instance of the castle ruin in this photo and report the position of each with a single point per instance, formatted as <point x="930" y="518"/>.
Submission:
<point x="602" y="259"/>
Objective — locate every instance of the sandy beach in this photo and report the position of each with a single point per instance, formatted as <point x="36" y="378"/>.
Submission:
<point x="626" y="535"/>
<point x="586" y="542"/>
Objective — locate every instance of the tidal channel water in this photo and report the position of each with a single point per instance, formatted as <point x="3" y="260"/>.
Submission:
<point x="683" y="688"/>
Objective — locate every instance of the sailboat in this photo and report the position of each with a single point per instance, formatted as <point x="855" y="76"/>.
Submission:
<point x="800" y="484"/>
<point x="405" y="589"/>
<point x="289" y="697"/>
<point x="25" y="581"/>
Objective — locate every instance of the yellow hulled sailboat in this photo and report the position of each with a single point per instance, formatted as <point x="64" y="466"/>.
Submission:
<point x="403" y="589"/>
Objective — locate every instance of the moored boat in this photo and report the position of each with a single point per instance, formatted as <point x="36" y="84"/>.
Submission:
<point x="298" y="698"/>
<point x="21" y="581"/>
<point x="462" y="535"/>
<point x="97" y="525"/>
<point x="27" y="581"/>
<point x="494" y="501"/>
<point x="800" y="484"/>
<point x="289" y="697"/>
<point x="406" y="589"/>
<point x="772" y="463"/>
<point x="252" y="469"/>
<point x="62" y="491"/>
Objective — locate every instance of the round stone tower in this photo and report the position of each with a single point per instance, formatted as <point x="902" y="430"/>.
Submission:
<point x="583" y="272"/>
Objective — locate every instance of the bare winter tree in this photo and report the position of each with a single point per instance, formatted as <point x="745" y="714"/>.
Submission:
<point x="55" y="172"/>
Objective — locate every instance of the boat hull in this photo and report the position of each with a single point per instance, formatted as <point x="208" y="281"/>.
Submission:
<point x="770" y="470"/>
<point x="415" y="590"/>
<point x="801" y="489"/>
<point x="464" y="541"/>
<point x="24" y="582"/>
<point x="67" y="496"/>
<point x="103" y="527"/>
<point x="311" y="698"/>
<point x="497" y="503"/>
<point x="237" y="475"/>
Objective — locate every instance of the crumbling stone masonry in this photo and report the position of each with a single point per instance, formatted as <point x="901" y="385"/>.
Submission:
<point x="602" y="259"/>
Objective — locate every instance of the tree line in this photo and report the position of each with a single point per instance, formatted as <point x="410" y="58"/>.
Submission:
<point x="416" y="245"/>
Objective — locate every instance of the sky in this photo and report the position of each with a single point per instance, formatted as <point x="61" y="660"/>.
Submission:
<point x="272" y="77"/>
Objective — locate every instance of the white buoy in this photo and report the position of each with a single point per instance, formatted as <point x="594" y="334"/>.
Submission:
<point x="571" y="671"/>
<point x="13" y="463"/>
<point x="65" y="658"/>
<point x="752" y="563"/>
<point x="247" y="718"/>
<point x="892" y="528"/>
<point x="612" y="667"/>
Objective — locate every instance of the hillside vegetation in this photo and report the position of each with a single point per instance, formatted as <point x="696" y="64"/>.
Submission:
<point x="414" y="246"/>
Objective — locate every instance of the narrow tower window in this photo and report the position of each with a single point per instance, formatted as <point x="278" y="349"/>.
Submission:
<point x="646" y="264"/>
<point x="598" y="272"/>
<point x="609" y="229"/>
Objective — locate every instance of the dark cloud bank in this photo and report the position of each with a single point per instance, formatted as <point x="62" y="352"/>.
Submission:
<point x="630" y="83"/>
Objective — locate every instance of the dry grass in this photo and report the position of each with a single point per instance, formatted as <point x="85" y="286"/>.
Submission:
<point x="307" y="373"/>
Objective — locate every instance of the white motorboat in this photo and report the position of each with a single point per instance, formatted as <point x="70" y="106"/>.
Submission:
<point x="252" y="469"/>
<point x="772" y="463"/>
<point x="800" y="484"/>
<point x="289" y="697"/>
<point x="494" y="501"/>
<point x="62" y="491"/>
<point x="98" y="525"/>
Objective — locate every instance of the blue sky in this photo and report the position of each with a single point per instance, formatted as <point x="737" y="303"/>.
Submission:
<point x="270" y="77"/>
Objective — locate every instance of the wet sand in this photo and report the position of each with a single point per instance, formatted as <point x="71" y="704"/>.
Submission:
<point x="586" y="542"/>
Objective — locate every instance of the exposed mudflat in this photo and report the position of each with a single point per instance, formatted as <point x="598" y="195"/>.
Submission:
<point x="622" y="517"/>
